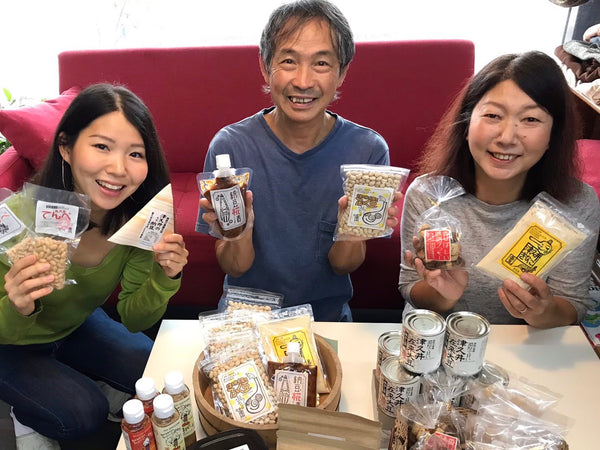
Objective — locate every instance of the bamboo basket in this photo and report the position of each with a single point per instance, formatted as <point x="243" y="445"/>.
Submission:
<point x="214" y="422"/>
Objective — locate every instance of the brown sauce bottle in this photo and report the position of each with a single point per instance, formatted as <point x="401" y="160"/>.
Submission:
<point x="294" y="381"/>
<point x="229" y="205"/>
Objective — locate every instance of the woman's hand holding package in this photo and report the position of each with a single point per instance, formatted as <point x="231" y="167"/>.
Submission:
<point x="538" y="306"/>
<point x="170" y="253"/>
<point x="24" y="285"/>
<point x="450" y="284"/>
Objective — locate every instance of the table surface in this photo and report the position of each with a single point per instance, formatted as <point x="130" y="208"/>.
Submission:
<point x="560" y="359"/>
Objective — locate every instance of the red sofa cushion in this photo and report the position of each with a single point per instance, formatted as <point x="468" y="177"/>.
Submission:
<point x="31" y="129"/>
<point x="589" y="156"/>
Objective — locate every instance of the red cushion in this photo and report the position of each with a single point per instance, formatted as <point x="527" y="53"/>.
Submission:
<point x="31" y="129"/>
<point x="589" y="154"/>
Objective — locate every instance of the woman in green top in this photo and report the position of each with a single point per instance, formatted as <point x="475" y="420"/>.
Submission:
<point x="54" y="344"/>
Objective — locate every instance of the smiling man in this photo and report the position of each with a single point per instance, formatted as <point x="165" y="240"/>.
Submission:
<point x="295" y="149"/>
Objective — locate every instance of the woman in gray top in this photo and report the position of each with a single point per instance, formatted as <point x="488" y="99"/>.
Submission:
<point x="509" y="136"/>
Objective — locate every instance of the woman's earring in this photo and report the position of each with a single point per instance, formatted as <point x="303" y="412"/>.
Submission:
<point x="62" y="171"/>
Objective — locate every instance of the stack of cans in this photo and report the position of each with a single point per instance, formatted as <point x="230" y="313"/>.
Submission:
<point x="426" y="343"/>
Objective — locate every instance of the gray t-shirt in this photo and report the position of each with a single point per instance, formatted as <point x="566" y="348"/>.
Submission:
<point x="295" y="207"/>
<point x="483" y="226"/>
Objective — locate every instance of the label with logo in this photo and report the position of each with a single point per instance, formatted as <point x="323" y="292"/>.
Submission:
<point x="140" y="440"/>
<point x="184" y="408"/>
<point x="57" y="219"/>
<point x="291" y="388"/>
<point x="229" y="207"/>
<point x="369" y="206"/>
<point x="437" y="245"/>
<point x="533" y="251"/>
<point x="10" y="225"/>
<point x="154" y="227"/>
<point x="169" y="437"/>
<point x="247" y="397"/>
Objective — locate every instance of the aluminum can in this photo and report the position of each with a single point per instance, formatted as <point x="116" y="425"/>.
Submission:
<point x="466" y="340"/>
<point x="388" y="345"/>
<point x="396" y="386"/>
<point x="422" y="340"/>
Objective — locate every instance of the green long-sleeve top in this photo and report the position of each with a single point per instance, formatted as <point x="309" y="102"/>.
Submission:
<point x="145" y="292"/>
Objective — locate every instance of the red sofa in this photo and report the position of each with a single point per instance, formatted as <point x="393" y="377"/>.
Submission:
<point x="399" y="89"/>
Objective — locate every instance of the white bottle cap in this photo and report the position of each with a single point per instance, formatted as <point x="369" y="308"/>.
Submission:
<point x="293" y="347"/>
<point x="145" y="388"/>
<point x="174" y="382"/>
<point x="223" y="166"/>
<point x="292" y="353"/>
<point x="223" y="161"/>
<point x="163" y="406"/>
<point x="133" y="411"/>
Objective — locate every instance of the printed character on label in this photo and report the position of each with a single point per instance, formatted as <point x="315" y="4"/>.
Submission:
<point x="257" y="401"/>
<point x="375" y="217"/>
<point x="235" y="207"/>
<point x="224" y="211"/>
<point x="457" y="350"/>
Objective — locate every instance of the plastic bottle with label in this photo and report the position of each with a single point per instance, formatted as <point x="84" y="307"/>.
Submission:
<point x="145" y="391"/>
<point x="175" y="386"/>
<point x="294" y="381"/>
<point x="167" y="424"/>
<point x="137" y="427"/>
<point x="228" y="198"/>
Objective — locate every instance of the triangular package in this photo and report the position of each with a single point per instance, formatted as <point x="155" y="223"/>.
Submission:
<point x="147" y="227"/>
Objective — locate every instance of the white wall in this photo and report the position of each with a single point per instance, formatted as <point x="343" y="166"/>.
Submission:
<point x="33" y="32"/>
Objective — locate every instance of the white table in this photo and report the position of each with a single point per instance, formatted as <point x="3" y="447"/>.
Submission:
<point x="560" y="359"/>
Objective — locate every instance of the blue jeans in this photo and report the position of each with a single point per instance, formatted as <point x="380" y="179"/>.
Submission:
<point x="51" y="386"/>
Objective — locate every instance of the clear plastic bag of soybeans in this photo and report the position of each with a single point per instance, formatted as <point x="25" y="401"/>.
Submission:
<point x="239" y="382"/>
<point x="370" y="190"/>
<point x="46" y="222"/>
<point x="249" y="299"/>
<point x="540" y="240"/>
<point x="437" y="236"/>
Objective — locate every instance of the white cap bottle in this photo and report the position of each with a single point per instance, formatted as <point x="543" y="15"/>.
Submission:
<point x="145" y="389"/>
<point x="292" y="353"/>
<point x="176" y="387"/>
<point x="133" y="411"/>
<point x="174" y="382"/>
<point x="224" y="169"/>
<point x="163" y="406"/>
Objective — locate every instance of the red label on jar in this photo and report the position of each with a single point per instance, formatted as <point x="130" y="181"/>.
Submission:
<point x="437" y="245"/>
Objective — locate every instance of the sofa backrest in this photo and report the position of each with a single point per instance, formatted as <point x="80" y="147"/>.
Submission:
<point x="399" y="89"/>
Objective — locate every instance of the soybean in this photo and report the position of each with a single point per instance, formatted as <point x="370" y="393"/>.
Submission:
<point x="47" y="250"/>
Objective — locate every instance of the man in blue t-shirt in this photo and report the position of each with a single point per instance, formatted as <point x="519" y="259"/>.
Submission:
<point x="295" y="149"/>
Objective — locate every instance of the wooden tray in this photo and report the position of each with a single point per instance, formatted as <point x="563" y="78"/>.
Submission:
<point x="214" y="422"/>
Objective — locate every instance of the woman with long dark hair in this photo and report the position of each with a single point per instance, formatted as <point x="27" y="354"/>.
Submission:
<point x="509" y="135"/>
<point x="55" y="344"/>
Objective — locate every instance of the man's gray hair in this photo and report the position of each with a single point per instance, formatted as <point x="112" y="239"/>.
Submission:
<point x="301" y="12"/>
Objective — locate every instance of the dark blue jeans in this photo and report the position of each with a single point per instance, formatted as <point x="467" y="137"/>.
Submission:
<point x="51" y="386"/>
